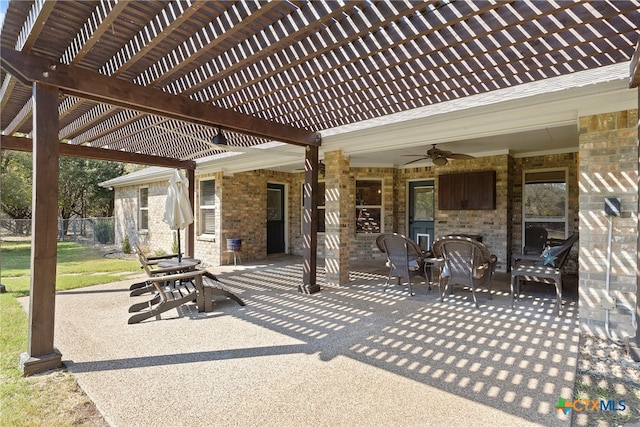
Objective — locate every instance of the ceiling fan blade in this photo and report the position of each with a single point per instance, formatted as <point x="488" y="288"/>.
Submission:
<point x="418" y="160"/>
<point x="459" y="156"/>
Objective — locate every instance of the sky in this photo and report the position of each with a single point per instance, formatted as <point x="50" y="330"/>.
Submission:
<point x="3" y="8"/>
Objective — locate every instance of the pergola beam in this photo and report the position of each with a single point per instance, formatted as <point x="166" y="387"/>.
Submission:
<point x="69" y="150"/>
<point x="634" y="68"/>
<point x="87" y="84"/>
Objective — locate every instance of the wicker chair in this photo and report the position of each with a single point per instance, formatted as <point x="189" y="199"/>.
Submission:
<point x="404" y="257"/>
<point x="466" y="262"/>
<point x="545" y="268"/>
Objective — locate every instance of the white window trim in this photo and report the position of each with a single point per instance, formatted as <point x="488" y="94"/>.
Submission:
<point x="201" y="207"/>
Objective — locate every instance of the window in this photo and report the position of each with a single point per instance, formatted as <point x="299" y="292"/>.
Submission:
<point x="368" y="206"/>
<point x="207" y="207"/>
<point x="143" y="205"/>
<point x="544" y="202"/>
<point x="321" y="207"/>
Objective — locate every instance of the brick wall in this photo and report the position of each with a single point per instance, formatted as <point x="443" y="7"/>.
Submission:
<point x="159" y="237"/>
<point x="493" y="225"/>
<point x="608" y="167"/>
<point x="339" y="202"/>
<point x="363" y="245"/>
<point x="241" y="208"/>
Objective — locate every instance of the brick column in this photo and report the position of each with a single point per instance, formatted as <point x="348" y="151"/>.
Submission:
<point x="339" y="218"/>
<point x="608" y="168"/>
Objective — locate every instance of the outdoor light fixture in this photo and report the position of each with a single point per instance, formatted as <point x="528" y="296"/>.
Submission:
<point x="219" y="138"/>
<point x="440" y="161"/>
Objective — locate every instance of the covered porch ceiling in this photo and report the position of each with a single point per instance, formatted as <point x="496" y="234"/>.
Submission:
<point x="356" y="72"/>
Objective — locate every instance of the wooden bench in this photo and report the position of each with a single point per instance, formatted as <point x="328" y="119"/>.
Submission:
<point x="212" y="286"/>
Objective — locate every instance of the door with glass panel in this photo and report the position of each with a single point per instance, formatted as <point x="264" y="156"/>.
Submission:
<point x="421" y="213"/>
<point x="275" y="219"/>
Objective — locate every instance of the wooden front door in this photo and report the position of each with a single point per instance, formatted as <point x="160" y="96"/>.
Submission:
<point x="275" y="219"/>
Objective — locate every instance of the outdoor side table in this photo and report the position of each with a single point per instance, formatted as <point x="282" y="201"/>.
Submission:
<point x="429" y="265"/>
<point x="182" y="266"/>
<point x="186" y="263"/>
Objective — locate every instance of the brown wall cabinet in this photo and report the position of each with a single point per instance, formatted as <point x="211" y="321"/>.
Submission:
<point x="467" y="191"/>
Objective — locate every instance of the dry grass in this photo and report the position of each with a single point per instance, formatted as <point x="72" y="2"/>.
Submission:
<point x="59" y="400"/>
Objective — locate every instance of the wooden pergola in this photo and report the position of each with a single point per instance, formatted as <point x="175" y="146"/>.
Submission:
<point x="151" y="82"/>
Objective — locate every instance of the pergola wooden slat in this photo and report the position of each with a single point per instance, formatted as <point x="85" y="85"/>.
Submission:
<point x="333" y="64"/>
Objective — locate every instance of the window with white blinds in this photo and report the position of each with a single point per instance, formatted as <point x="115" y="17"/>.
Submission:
<point x="207" y="207"/>
<point x="143" y="208"/>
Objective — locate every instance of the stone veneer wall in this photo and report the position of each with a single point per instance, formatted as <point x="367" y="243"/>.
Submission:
<point x="608" y="168"/>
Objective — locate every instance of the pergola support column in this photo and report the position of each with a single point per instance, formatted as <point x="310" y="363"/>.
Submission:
<point x="310" y="222"/>
<point x="41" y="355"/>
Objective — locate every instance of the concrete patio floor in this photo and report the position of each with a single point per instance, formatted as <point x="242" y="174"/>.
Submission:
<point x="349" y="356"/>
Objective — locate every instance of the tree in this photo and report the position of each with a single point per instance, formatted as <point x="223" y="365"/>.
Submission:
<point x="78" y="190"/>
<point x="79" y="193"/>
<point x="15" y="169"/>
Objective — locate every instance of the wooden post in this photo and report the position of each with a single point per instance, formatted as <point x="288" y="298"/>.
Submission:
<point x="310" y="222"/>
<point x="41" y="355"/>
<point x="190" y="232"/>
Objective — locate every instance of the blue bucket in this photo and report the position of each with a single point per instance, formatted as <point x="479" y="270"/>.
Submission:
<point x="234" y="245"/>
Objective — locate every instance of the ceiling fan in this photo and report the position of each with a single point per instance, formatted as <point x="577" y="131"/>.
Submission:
<point x="439" y="157"/>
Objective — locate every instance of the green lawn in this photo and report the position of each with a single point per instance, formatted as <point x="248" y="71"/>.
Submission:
<point x="52" y="399"/>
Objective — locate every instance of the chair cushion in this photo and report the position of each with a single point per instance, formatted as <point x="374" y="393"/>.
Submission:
<point x="413" y="265"/>
<point x="445" y="270"/>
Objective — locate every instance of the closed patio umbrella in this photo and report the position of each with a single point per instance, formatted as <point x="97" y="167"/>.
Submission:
<point x="178" y="213"/>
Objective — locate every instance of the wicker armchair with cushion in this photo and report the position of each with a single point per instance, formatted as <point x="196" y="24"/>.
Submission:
<point x="466" y="262"/>
<point x="545" y="268"/>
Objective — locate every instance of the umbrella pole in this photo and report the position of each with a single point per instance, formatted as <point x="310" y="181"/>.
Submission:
<point x="179" y="253"/>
